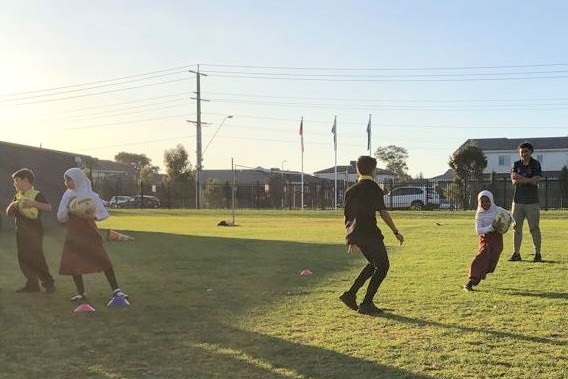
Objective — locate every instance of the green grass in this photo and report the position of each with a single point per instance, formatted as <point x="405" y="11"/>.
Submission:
<point x="227" y="302"/>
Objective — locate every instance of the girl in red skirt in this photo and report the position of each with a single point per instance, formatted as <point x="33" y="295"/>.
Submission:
<point x="83" y="250"/>
<point x="490" y="240"/>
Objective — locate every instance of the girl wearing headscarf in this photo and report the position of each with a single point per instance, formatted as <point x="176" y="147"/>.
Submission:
<point x="490" y="241"/>
<point x="83" y="250"/>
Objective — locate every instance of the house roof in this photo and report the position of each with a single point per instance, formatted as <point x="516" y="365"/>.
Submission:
<point x="111" y="166"/>
<point x="539" y="144"/>
<point x="251" y="176"/>
<point x="448" y="175"/>
<point x="352" y="170"/>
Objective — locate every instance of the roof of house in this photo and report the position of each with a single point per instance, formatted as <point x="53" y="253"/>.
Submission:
<point x="539" y="144"/>
<point x="111" y="166"/>
<point x="448" y="175"/>
<point x="351" y="170"/>
<point x="251" y="176"/>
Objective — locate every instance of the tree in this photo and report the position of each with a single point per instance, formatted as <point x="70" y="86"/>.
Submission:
<point x="138" y="161"/>
<point x="395" y="158"/>
<point x="179" y="173"/>
<point x="468" y="163"/>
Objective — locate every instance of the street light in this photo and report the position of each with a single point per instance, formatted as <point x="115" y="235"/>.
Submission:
<point x="216" y="131"/>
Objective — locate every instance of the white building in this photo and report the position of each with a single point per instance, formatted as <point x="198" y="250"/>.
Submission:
<point x="501" y="153"/>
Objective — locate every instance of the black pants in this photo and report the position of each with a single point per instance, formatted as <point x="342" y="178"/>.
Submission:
<point x="375" y="252"/>
<point x="32" y="261"/>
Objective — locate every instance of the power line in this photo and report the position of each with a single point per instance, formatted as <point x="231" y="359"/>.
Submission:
<point x="389" y="68"/>
<point x="387" y="80"/>
<point x="99" y="93"/>
<point x="95" y="82"/>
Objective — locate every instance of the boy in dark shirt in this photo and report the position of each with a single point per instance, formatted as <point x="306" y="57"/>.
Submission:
<point x="362" y="200"/>
<point x="26" y="207"/>
<point x="525" y="176"/>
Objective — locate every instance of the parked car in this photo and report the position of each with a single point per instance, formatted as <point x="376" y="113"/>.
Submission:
<point x="119" y="201"/>
<point x="412" y="197"/>
<point x="106" y="204"/>
<point x="145" y="201"/>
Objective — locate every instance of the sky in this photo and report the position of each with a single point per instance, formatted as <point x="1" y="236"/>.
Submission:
<point x="99" y="78"/>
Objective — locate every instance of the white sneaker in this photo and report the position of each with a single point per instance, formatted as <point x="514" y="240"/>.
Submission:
<point x="79" y="297"/>
<point x="118" y="292"/>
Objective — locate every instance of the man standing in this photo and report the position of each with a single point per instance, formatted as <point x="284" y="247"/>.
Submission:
<point x="525" y="176"/>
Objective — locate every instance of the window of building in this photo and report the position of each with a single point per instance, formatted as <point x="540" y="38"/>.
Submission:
<point x="540" y="158"/>
<point x="504" y="160"/>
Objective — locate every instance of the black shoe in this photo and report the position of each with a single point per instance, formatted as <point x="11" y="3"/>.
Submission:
<point x="50" y="289"/>
<point x="350" y="300"/>
<point x="26" y="289"/>
<point x="468" y="287"/>
<point x="516" y="257"/>
<point x="537" y="258"/>
<point x="369" y="309"/>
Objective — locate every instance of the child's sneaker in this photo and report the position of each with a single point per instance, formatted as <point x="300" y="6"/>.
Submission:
<point x="79" y="297"/>
<point x="350" y="300"/>
<point x="369" y="309"/>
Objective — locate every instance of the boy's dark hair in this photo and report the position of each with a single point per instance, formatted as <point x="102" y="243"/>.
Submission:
<point x="526" y="145"/>
<point x="366" y="165"/>
<point x="24" y="173"/>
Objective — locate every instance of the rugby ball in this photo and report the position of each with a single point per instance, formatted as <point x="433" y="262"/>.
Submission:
<point x="503" y="221"/>
<point x="82" y="206"/>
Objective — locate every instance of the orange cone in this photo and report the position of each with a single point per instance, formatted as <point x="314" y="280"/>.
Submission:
<point x="113" y="235"/>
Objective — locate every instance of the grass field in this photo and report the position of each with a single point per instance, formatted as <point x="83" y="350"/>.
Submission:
<point x="227" y="302"/>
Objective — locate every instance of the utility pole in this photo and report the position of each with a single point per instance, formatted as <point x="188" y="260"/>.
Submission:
<point x="198" y="152"/>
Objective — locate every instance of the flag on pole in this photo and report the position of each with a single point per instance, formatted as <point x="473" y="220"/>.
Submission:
<point x="369" y="135"/>
<point x="302" y="133"/>
<point x="334" y="131"/>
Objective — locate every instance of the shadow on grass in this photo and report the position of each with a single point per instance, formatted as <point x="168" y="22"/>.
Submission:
<point x="501" y="334"/>
<point x="544" y="295"/>
<point x="272" y="357"/>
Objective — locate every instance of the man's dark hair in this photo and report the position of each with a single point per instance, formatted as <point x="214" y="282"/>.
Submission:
<point x="526" y="145"/>
<point x="24" y="173"/>
<point x="366" y="165"/>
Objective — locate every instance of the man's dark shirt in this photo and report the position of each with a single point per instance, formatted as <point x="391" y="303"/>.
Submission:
<point x="362" y="200"/>
<point x="526" y="193"/>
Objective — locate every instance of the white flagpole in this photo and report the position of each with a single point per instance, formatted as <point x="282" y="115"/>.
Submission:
<point x="369" y="136"/>
<point x="335" y="165"/>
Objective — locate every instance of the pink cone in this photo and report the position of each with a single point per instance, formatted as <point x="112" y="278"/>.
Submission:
<point x="306" y="272"/>
<point x="83" y="308"/>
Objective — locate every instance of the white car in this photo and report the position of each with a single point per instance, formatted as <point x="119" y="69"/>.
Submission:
<point x="119" y="201"/>
<point x="412" y="197"/>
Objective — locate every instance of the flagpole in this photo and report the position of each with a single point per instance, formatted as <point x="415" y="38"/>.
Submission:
<point x="369" y="136"/>
<point x="334" y="130"/>
<point x="302" y="168"/>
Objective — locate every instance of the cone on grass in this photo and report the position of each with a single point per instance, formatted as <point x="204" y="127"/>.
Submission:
<point x="84" y="308"/>
<point x="306" y="272"/>
<point x="118" y="301"/>
<point x="113" y="235"/>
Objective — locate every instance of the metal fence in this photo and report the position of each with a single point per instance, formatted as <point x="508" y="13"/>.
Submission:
<point x="415" y="194"/>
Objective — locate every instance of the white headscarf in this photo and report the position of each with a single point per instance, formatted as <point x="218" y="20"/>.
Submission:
<point x="484" y="218"/>
<point x="82" y="189"/>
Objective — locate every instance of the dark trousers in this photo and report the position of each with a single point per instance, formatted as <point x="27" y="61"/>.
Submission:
<point x="375" y="252"/>
<point x="32" y="261"/>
